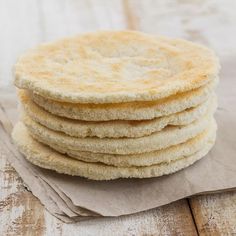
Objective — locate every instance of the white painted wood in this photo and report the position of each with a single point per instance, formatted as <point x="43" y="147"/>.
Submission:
<point x="19" y="30"/>
<point x="215" y="214"/>
<point x="211" y="22"/>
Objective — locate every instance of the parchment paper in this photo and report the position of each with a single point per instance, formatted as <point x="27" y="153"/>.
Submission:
<point x="74" y="198"/>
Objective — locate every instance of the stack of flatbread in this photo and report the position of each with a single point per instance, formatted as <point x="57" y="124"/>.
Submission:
<point x="110" y="104"/>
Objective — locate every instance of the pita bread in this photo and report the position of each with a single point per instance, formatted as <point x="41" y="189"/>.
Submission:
<point x="145" y="159"/>
<point x="45" y="157"/>
<point x="169" y="136"/>
<point x="128" y="111"/>
<point x="115" y="67"/>
<point x="113" y="129"/>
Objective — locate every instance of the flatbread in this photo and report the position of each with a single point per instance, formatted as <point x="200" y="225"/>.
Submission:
<point x="113" y="129"/>
<point x="128" y="111"/>
<point x="45" y="157"/>
<point x="169" y="136"/>
<point x="146" y="159"/>
<point x="115" y="67"/>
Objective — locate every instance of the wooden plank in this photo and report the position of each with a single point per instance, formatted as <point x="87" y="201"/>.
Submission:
<point x="215" y="214"/>
<point x="20" y="212"/>
<point x="64" y="18"/>
<point x="173" y="219"/>
<point x="19" y="26"/>
<point x="130" y="17"/>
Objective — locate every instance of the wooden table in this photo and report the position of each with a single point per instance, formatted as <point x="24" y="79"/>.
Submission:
<point x="26" y="23"/>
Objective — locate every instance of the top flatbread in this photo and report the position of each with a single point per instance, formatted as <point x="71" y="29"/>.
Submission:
<point x="127" y="110"/>
<point x="115" y="67"/>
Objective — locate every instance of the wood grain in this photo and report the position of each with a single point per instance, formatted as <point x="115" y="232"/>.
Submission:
<point x="130" y="17"/>
<point x="26" y="23"/>
<point x="215" y="214"/>
<point x="20" y="212"/>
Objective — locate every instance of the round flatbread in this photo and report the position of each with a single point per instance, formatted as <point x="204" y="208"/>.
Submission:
<point x="113" y="129"/>
<point x="115" y="67"/>
<point x="146" y="159"/>
<point x="128" y="111"/>
<point x="45" y="157"/>
<point x="169" y="136"/>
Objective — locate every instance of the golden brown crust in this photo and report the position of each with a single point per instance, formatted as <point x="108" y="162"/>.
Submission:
<point x="115" y="66"/>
